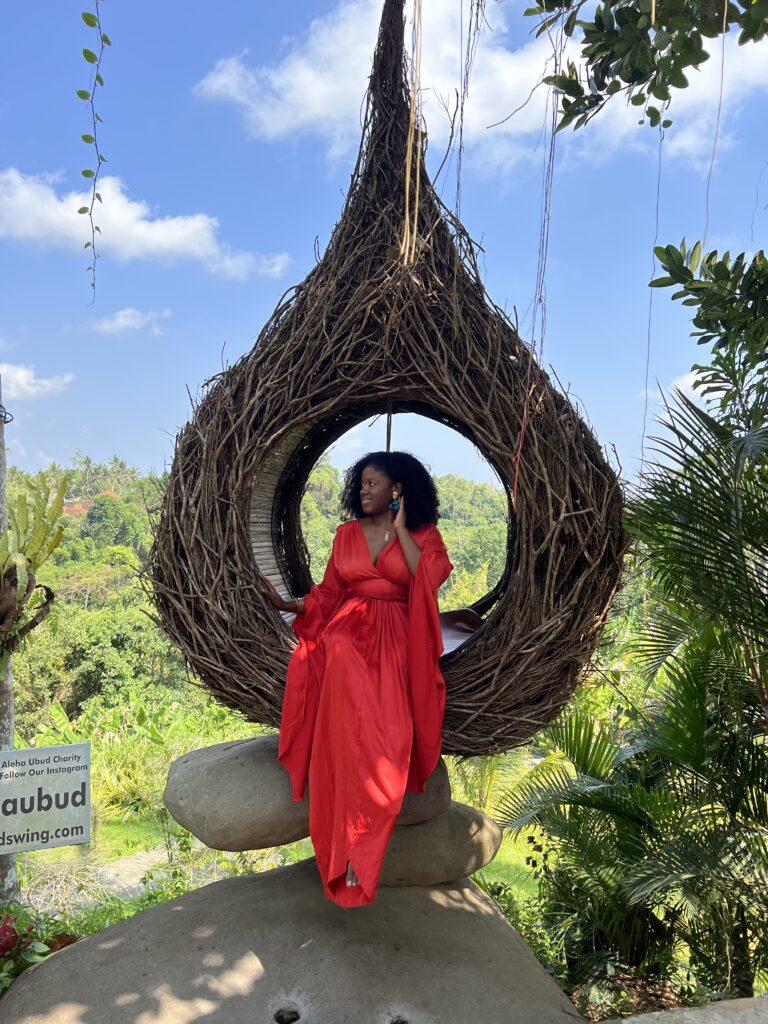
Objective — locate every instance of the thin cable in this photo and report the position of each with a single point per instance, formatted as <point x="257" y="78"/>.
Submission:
<point x="757" y="204"/>
<point x="717" y="122"/>
<point x="410" y="224"/>
<point x="460" y="145"/>
<point x="650" y="305"/>
<point x="476" y="12"/>
<point x="539" y="314"/>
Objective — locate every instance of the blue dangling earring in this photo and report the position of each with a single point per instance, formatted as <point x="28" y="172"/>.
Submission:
<point x="395" y="504"/>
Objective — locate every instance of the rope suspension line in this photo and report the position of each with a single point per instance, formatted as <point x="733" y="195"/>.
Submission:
<point x="411" y="219"/>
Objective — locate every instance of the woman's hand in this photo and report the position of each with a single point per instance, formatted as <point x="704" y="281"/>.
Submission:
<point x="399" y="522"/>
<point x="272" y="595"/>
<point x="411" y="550"/>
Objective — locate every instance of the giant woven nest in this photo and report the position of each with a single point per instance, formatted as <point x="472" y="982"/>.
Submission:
<point x="368" y="331"/>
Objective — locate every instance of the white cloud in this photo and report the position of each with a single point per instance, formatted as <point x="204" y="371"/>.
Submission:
<point x="20" y="382"/>
<point x="649" y="393"/>
<point x="685" y="383"/>
<point x="16" y="450"/>
<point x="349" y="442"/>
<point x="693" y="111"/>
<point x="131" y="319"/>
<point x="31" y="210"/>
<point x="318" y="86"/>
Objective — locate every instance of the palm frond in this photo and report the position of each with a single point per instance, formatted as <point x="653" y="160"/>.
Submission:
<point x="702" y="514"/>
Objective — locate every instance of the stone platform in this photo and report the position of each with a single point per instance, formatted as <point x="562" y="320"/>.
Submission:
<point x="270" y="949"/>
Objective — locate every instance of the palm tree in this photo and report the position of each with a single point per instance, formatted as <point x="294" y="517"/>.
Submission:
<point x="660" y="837"/>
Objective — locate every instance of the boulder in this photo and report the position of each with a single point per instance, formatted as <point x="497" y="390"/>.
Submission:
<point x="729" y="1011"/>
<point x="237" y="796"/>
<point x="457" y="843"/>
<point x="270" y="949"/>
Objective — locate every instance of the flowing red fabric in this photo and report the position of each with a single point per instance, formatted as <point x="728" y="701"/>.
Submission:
<point x="364" y="701"/>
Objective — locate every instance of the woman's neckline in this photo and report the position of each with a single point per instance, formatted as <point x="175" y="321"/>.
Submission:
<point x="375" y="564"/>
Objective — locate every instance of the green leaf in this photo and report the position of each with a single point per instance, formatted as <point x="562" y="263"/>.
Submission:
<point x="90" y="56"/>
<point x="90" y="19"/>
<point x="659" y="90"/>
<point x="39" y="947"/>
<point x="83" y="209"/>
<point x="98" y="196"/>
<point x="88" y="173"/>
<point x="105" y="39"/>
<point x="99" y="79"/>
<point x="678" y="79"/>
<point x="86" y="245"/>
<point x="83" y="94"/>
<point x="88" y="138"/>
<point x="695" y="257"/>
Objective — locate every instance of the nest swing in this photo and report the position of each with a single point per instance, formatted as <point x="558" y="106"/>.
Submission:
<point x="369" y="331"/>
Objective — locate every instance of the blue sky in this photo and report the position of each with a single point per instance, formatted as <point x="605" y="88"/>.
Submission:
<point x="230" y="134"/>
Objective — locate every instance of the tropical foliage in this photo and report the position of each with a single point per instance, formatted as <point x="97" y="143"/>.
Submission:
<point x="33" y="533"/>
<point x="641" y="48"/>
<point x="652" y="835"/>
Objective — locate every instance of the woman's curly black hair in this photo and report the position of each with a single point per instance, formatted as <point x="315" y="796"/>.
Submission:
<point x="421" y="500"/>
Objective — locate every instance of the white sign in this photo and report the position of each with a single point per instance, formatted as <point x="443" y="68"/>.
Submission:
<point x="45" y="797"/>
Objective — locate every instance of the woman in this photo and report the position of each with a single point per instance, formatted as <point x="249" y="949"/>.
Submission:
<point x="364" y="696"/>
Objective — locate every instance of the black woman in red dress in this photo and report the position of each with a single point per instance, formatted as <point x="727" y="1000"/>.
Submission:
<point x="364" y="696"/>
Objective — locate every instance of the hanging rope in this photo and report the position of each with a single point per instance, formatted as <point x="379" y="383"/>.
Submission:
<point x="411" y="220"/>
<point x="717" y="122"/>
<point x="539" y="314"/>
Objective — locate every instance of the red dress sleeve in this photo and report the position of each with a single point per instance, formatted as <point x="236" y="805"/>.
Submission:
<point x="425" y="645"/>
<point x="321" y="601"/>
<point x="302" y="684"/>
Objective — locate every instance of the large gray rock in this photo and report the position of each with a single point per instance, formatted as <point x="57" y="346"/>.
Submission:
<point x="270" y="948"/>
<point x="237" y="796"/>
<point x="730" y="1011"/>
<point x="452" y="846"/>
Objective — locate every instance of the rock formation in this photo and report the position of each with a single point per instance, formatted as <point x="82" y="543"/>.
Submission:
<point x="271" y="949"/>
<point x="237" y="796"/>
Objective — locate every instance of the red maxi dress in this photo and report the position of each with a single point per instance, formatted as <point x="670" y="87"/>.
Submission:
<point x="364" y="701"/>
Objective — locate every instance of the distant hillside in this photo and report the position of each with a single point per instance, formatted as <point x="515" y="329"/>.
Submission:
<point x="99" y="641"/>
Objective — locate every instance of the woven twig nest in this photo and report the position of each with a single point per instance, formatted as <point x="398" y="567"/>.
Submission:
<point x="363" y="330"/>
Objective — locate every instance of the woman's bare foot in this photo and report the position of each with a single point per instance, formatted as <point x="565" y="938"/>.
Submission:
<point x="352" y="878"/>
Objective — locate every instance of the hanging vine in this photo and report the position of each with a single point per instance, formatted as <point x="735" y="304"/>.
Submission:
<point x="93" y="58"/>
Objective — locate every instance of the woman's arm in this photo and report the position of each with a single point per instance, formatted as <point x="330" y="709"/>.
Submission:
<point x="411" y="550"/>
<point x="433" y="546"/>
<point x="291" y="604"/>
<point x="326" y="593"/>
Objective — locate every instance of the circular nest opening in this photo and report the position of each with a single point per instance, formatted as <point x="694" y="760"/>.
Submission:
<point x="276" y="513"/>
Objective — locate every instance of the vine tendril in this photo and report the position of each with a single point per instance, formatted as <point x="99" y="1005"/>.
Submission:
<point x="93" y="57"/>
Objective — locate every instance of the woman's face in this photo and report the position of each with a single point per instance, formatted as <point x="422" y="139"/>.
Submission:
<point x="375" y="491"/>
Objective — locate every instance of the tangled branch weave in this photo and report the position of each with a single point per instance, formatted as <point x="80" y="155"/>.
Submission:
<point x="362" y="330"/>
